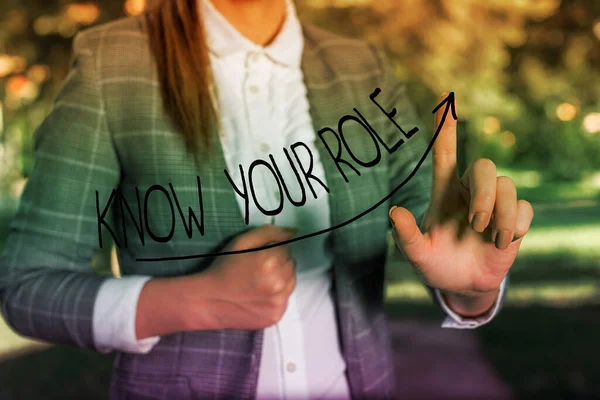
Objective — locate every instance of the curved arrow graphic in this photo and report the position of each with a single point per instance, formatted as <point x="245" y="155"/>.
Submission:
<point x="449" y="105"/>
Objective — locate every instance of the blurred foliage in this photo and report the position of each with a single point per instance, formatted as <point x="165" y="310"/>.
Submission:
<point x="35" y="50"/>
<point x="525" y="72"/>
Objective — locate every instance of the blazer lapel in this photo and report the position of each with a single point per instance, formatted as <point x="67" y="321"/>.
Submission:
<point x="316" y="77"/>
<point x="327" y="105"/>
<point x="332" y="97"/>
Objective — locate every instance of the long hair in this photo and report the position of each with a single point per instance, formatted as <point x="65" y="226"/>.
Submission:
<point x="178" y="43"/>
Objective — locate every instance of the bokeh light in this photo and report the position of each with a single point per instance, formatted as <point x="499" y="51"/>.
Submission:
<point x="508" y="139"/>
<point x="20" y="88"/>
<point x="83" y="13"/>
<point x="39" y="73"/>
<point x="11" y="64"/>
<point x="591" y="123"/>
<point x="67" y="28"/>
<point x="566" y="111"/>
<point x="45" y="25"/>
<point x="135" y="7"/>
<point x="597" y="29"/>
<point x="491" y="125"/>
<point x="6" y="65"/>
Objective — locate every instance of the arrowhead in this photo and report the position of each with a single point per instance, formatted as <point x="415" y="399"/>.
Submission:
<point x="448" y="102"/>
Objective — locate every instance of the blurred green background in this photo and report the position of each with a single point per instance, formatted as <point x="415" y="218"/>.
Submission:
<point x="526" y="74"/>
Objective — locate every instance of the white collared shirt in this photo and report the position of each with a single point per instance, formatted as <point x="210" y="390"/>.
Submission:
<point x="262" y="105"/>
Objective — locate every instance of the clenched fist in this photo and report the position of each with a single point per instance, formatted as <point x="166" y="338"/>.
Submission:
<point x="249" y="290"/>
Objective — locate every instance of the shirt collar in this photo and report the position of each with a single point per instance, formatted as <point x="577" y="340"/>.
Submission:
<point x="224" y="40"/>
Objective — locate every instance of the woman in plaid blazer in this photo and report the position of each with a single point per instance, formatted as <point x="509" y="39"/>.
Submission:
<point x="139" y="113"/>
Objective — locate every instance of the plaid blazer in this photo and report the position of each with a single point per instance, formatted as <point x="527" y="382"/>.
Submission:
<point x="107" y="130"/>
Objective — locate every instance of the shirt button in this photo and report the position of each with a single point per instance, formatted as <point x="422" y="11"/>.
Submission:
<point x="264" y="147"/>
<point x="291" y="367"/>
<point x="253" y="57"/>
<point x="254" y="89"/>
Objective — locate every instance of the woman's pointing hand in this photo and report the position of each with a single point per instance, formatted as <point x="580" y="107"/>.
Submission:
<point x="472" y="230"/>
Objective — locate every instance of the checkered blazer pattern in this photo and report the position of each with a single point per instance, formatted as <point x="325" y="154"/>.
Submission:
<point x="107" y="130"/>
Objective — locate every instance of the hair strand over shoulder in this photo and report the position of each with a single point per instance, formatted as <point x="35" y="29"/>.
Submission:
<point x="178" y="43"/>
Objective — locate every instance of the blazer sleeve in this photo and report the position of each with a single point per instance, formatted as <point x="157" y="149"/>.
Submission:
<point x="47" y="288"/>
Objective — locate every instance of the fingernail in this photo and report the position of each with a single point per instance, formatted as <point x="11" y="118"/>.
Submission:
<point x="480" y="221"/>
<point x="390" y="215"/>
<point x="503" y="239"/>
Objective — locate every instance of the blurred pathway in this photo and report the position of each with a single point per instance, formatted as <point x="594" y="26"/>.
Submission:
<point x="442" y="364"/>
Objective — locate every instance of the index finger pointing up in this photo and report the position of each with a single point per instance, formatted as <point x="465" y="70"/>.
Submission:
<point x="444" y="148"/>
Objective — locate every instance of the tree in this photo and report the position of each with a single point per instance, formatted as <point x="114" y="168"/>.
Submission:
<point x="525" y="72"/>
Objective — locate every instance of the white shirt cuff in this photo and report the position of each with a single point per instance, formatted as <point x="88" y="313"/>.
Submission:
<point x="114" y="316"/>
<point x="453" y="320"/>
